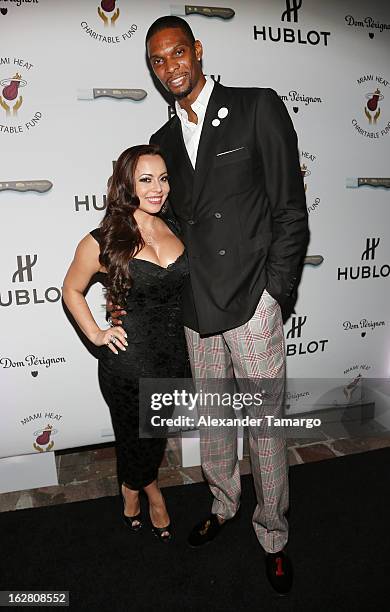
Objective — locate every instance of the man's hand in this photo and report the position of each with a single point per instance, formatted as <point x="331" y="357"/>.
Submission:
<point x="115" y="312"/>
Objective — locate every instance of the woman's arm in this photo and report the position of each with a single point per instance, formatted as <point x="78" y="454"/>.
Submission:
<point x="84" y="265"/>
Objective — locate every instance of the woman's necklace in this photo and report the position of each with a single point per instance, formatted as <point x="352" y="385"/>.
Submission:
<point x="147" y="237"/>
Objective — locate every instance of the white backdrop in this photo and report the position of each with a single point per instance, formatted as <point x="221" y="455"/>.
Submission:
<point x="329" y="61"/>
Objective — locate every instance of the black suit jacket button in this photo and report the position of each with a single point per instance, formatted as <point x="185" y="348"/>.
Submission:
<point x="191" y="222"/>
<point x="222" y="252"/>
<point x="217" y="215"/>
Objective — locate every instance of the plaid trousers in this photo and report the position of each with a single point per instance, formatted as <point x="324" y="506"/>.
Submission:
<point x="252" y="351"/>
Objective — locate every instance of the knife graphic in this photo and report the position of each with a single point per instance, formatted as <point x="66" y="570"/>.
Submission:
<point x="207" y="11"/>
<point x="371" y="182"/>
<point x="313" y="260"/>
<point x="40" y="186"/>
<point x="118" y="94"/>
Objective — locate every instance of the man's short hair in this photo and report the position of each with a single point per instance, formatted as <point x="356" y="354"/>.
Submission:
<point x="169" y="21"/>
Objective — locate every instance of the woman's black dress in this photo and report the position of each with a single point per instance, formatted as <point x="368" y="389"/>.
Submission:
<point x="156" y="349"/>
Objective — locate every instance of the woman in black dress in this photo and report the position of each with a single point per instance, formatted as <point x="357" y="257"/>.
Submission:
<point x="145" y="267"/>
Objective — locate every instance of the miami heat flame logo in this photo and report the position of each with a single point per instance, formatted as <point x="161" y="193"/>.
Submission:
<point x="42" y="438"/>
<point x="305" y="172"/>
<point x="372" y="106"/>
<point x="351" y="387"/>
<point x="11" y="92"/>
<point x="108" y="6"/>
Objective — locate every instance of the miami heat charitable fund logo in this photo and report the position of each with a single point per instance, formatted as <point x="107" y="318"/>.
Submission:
<point x="372" y="108"/>
<point x="307" y="162"/>
<point x="357" y="369"/>
<point x="108" y="13"/>
<point x="305" y="172"/>
<point x="14" y="89"/>
<point x="353" y="387"/>
<point x="43" y="439"/>
<point x="10" y="97"/>
<point x="43" y="434"/>
<point x="374" y="119"/>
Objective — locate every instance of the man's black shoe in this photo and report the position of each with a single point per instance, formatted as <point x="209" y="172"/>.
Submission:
<point x="279" y="571"/>
<point x="205" y="531"/>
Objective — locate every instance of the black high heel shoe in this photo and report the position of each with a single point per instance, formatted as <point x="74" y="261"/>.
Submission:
<point x="134" y="523"/>
<point x="164" y="534"/>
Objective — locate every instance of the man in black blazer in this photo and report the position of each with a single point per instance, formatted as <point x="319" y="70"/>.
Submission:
<point x="237" y="192"/>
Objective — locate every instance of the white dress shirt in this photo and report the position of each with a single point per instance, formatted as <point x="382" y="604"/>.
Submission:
<point x="191" y="131"/>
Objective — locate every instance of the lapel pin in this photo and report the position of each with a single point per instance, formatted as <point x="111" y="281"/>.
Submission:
<point x="223" y="112"/>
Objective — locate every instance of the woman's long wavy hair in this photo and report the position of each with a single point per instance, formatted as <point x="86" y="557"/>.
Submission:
<point x="120" y="236"/>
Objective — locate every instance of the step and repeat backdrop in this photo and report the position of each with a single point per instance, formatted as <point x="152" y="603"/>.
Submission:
<point x="75" y="91"/>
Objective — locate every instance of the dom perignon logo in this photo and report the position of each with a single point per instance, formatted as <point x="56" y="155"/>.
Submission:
<point x="17" y="3"/>
<point x="368" y="270"/>
<point x="299" y="345"/>
<point x="290" y="15"/>
<point x="23" y="274"/>
<point x="370" y="23"/>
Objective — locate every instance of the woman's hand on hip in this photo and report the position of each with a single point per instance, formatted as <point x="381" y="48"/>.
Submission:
<point x="115" y="312"/>
<point x="114" y="338"/>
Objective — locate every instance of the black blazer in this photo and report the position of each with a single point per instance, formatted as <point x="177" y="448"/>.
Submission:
<point x="242" y="211"/>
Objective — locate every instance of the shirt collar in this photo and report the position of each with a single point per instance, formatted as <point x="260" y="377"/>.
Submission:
<point x="200" y="104"/>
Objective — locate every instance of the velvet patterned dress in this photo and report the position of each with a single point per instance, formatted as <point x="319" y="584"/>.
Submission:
<point x="156" y="349"/>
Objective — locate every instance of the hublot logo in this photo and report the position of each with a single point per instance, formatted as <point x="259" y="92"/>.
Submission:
<point x="371" y="245"/>
<point x="288" y="35"/>
<point x="292" y="10"/>
<point x="27" y="267"/>
<point x="88" y="202"/>
<point x="367" y="271"/>
<point x="22" y="297"/>
<point x="295" y="330"/>
<point x="302" y="348"/>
